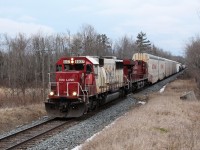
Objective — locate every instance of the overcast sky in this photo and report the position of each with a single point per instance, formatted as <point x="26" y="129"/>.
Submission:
<point x="169" y="24"/>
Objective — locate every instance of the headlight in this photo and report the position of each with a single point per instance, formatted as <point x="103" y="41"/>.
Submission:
<point x="74" y="93"/>
<point x="51" y="93"/>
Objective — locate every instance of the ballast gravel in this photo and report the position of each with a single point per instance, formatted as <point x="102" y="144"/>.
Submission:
<point x="85" y="129"/>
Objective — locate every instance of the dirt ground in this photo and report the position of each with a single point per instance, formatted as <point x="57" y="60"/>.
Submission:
<point x="164" y="122"/>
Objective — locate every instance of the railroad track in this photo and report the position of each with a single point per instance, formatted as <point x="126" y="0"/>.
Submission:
<point x="34" y="135"/>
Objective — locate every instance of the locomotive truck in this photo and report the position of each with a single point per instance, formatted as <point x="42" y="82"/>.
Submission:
<point x="83" y="83"/>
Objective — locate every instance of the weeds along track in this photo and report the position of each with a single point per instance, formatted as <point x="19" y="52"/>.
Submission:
<point x="33" y="135"/>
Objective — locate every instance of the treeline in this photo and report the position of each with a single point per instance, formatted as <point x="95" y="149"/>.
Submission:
<point x="25" y="61"/>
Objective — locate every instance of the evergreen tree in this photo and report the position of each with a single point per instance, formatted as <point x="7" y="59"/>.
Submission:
<point x="142" y="43"/>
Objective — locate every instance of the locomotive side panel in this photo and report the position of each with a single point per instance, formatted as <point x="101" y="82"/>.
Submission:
<point x="101" y="80"/>
<point x="114" y="70"/>
<point x="119" y="72"/>
<point x="110" y="69"/>
<point x="109" y="74"/>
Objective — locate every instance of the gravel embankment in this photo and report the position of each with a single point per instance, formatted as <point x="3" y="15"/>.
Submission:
<point x="77" y="134"/>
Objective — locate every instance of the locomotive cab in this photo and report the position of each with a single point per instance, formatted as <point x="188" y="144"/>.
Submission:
<point x="136" y="72"/>
<point x="74" y="82"/>
<point x="139" y="69"/>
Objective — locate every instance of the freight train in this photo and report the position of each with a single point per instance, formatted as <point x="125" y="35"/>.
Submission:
<point x="83" y="83"/>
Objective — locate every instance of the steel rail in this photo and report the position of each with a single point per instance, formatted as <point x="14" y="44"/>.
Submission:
<point x="13" y="139"/>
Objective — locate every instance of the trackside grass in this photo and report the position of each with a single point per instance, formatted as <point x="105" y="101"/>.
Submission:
<point x="16" y="116"/>
<point x="165" y="122"/>
<point x="17" y="109"/>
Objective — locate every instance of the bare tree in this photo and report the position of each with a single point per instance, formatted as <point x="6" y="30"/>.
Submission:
<point x="1" y="66"/>
<point x="89" y="35"/>
<point x="125" y="47"/>
<point x="76" y="45"/>
<point x="89" y="42"/>
<point x="193" y="58"/>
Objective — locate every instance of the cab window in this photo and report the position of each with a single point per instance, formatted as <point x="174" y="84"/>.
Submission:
<point x="89" y="68"/>
<point x="73" y="67"/>
<point x="58" y="67"/>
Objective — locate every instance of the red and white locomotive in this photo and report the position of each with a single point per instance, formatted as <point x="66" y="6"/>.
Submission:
<point x="83" y="83"/>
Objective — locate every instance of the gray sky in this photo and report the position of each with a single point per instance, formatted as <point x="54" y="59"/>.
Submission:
<point x="169" y="24"/>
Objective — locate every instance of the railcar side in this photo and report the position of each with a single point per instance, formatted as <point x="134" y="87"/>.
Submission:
<point x="158" y="67"/>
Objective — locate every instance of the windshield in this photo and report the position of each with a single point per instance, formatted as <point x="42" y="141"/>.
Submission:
<point x="73" y="67"/>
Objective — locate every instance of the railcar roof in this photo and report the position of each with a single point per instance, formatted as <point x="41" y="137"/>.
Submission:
<point x="93" y="60"/>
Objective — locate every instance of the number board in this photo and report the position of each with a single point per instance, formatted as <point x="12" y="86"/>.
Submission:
<point x="76" y="61"/>
<point x="66" y="61"/>
<point x="79" y="61"/>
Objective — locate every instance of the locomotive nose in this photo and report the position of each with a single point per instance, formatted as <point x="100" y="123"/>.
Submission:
<point x="69" y="83"/>
<point x="65" y="111"/>
<point x="73" y="84"/>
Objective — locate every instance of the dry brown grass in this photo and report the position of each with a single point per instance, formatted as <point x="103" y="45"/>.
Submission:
<point x="165" y="122"/>
<point x="17" y="109"/>
<point x="15" y="98"/>
<point x="13" y="117"/>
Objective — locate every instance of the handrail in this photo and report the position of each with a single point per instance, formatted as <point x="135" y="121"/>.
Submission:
<point x="85" y="92"/>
